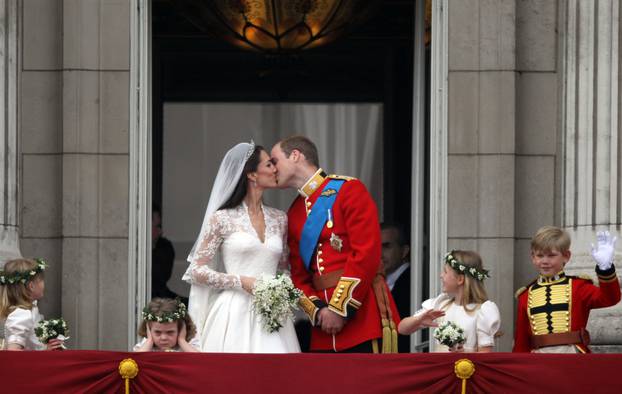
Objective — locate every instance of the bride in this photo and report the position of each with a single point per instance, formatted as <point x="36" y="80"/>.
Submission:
<point x="240" y="240"/>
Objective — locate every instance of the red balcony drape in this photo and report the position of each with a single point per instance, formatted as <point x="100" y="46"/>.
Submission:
<point x="81" y="371"/>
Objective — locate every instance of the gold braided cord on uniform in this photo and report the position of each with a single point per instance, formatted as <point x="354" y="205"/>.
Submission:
<point x="540" y="323"/>
<point x="537" y="297"/>
<point x="560" y="322"/>
<point x="560" y="294"/>
<point x="389" y="330"/>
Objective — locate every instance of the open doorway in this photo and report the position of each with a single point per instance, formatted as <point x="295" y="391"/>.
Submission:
<point x="196" y="136"/>
<point x="372" y="66"/>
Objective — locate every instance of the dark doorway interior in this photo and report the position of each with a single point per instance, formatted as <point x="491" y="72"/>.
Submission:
<point x="372" y="64"/>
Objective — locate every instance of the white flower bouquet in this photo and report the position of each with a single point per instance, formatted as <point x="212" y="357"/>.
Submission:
<point x="274" y="300"/>
<point x="449" y="334"/>
<point x="47" y="330"/>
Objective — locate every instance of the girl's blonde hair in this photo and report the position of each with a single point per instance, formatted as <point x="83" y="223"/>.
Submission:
<point x="160" y="306"/>
<point x="17" y="295"/>
<point x="474" y="291"/>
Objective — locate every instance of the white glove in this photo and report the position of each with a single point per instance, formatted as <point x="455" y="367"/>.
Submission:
<point x="604" y="251"/>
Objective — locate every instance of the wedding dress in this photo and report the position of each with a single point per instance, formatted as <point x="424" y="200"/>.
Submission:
<point x="228" y="249"/>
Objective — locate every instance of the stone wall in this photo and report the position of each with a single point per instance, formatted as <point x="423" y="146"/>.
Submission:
<point x="74" y="133"/>
<point x="482" y="142"/>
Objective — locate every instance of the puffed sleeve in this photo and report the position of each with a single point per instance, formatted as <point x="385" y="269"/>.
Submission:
<point x="488" y="323"/>
<point x="195" y="342"/>
<point x="139" y="344"/>
<point x="432" y="303"/>
<point x="427" y="305"/>
<point x="18" y="327"/>
<point x="200" y="271"/>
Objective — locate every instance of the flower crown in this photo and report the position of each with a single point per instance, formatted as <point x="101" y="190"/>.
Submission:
<point x="464" y="269"/>
<point x="22" y="277"/>
<point x="166" y="317"/>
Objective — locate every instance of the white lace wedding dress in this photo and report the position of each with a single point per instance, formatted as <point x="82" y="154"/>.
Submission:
<point x="230" y="324"/>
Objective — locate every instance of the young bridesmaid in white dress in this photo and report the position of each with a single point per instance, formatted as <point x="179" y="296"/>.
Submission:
<point x="21" y="287"/>
<point x="464" y="301"/>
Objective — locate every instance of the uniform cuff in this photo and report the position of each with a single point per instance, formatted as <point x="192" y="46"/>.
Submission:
<point x="342" y="302"/>
<point x="311" y="306"/>
<point x="608" y="275"/>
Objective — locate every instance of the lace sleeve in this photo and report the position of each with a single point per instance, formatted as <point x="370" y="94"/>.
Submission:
<point x="284" y="262"/>
<point x="201" y="269"/>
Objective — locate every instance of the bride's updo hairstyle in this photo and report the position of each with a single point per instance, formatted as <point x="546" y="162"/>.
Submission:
<point x="240" y="189"/>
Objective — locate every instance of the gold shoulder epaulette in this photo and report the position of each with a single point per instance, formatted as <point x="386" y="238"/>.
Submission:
<point x="342" y="177"/>
<point x="520" y="291"/>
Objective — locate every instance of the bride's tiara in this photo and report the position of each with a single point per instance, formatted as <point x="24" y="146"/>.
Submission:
<point x="250" y="151"/>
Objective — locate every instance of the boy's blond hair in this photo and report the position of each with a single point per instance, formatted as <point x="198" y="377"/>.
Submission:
<point x="549" y="238"/>
<point x="16" y="295"/>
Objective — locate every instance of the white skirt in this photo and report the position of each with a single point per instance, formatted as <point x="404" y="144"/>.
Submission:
<point x="233" y="327"/>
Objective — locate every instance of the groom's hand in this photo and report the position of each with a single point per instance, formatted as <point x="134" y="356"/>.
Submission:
<point x="331" y="322"/>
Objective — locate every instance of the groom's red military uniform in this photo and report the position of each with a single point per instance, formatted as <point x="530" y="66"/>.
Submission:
<point x="344" y="263"/>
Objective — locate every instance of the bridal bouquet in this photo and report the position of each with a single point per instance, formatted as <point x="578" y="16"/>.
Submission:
<point x="449" y="334"/>
<point x="274" y="300"/>
<point x="47" y="330"/>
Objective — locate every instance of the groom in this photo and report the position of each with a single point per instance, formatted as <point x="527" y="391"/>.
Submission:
<point x="334" y="243"/>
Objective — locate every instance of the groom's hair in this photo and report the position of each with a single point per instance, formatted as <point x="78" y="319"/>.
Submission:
<point x="303" y="145"/>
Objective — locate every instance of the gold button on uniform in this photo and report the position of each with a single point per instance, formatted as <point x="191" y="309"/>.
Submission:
<point x="321" y="269"/>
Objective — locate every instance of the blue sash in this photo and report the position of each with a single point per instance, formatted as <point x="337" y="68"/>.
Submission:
<point x="316" y="220"/>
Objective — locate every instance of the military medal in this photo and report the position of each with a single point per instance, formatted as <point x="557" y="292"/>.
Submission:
<point x="329" y="223"/>
<point x="336" y="242"/>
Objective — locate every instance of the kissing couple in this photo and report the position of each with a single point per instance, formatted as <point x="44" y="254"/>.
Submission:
<point x="329" y="242"/>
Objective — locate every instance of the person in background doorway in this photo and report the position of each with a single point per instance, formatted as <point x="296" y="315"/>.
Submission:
<point x="162" y="259"/>
<point x="395" y="253"/>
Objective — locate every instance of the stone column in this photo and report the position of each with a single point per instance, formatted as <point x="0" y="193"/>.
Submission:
<point x="537" y="143"/>
<point x="95" y="172"/>
<point x="481" y="142"/>
<point x="591" y="170"/>
<point x="9" y="228"/>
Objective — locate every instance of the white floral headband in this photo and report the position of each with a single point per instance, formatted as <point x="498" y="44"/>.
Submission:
<point x="464" y="269"/>
<point x="22" y="277"/>
<point x="166" y="317"/>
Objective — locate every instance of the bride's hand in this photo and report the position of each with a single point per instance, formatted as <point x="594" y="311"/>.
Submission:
<point x="247" y="283"/>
